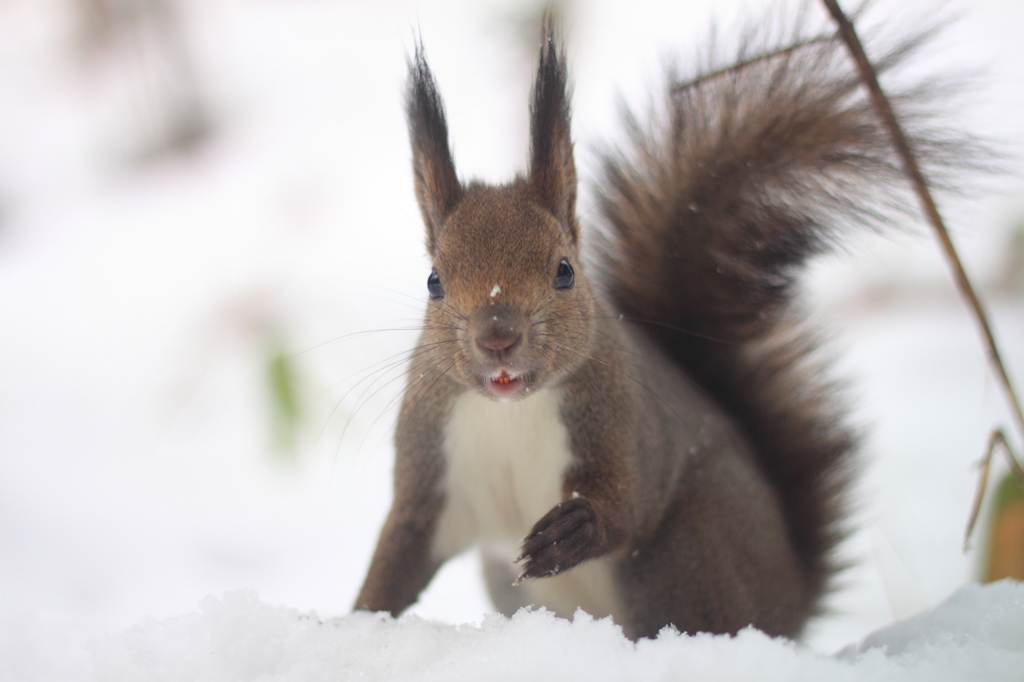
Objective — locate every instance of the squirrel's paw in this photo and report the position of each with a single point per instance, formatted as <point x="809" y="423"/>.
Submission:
<point x="564" y="537"/>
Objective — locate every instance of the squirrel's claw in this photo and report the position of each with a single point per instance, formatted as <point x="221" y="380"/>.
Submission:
<point x="563" y="538"/>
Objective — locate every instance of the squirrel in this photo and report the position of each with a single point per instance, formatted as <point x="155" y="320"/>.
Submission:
<point x="646" y="436"/>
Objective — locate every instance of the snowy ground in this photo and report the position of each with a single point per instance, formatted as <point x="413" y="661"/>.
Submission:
<point x="977" y="634"/>
<point x="139" y="302"/>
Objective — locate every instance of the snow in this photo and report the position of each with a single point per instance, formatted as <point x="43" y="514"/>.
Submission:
<point x="140" y="300"/>
<point x="975" y="616"/>
<point x="978" y="633"/>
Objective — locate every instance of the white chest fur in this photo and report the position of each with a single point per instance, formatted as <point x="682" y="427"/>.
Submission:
<point x="505" y="463"/>
<point x="505" y="466"/>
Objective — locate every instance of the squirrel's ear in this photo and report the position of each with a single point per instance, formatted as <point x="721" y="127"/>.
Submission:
<point x="437" y="187"/>
<point x="552" y="169"/>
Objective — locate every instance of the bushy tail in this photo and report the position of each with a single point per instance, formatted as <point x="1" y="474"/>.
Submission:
<point x="711" y="215"/>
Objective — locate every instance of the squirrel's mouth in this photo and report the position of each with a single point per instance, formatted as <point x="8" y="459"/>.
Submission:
<point x="504" y="385"/>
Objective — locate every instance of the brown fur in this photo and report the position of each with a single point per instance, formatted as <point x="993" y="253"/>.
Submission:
<point x="708" y="463"/>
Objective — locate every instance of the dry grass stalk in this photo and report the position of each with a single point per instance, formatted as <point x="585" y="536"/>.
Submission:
<point x="870" y="79"/>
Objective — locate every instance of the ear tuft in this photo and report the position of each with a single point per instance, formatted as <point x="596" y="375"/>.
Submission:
<point x="437" y="186"/>
<point x="552" y="169"/>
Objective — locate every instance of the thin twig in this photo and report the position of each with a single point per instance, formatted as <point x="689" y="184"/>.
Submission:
<point x="679" y="87"/>
<point x="997" y="439"/>
<point x="899" y="140"/>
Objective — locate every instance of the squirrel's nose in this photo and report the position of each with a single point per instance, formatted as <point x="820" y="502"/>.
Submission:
<point x="498" y="331"/>
<point x="498" y="343"/>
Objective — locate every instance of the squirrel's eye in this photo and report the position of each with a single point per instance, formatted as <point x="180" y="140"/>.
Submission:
<point x="564" y="278"/>
<point x="434" y="285"/>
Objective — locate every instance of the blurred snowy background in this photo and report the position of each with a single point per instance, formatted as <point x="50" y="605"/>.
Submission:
<point x="211" y="263"/>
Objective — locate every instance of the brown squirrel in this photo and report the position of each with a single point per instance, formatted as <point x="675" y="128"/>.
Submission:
<point x="666" y="453"/>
